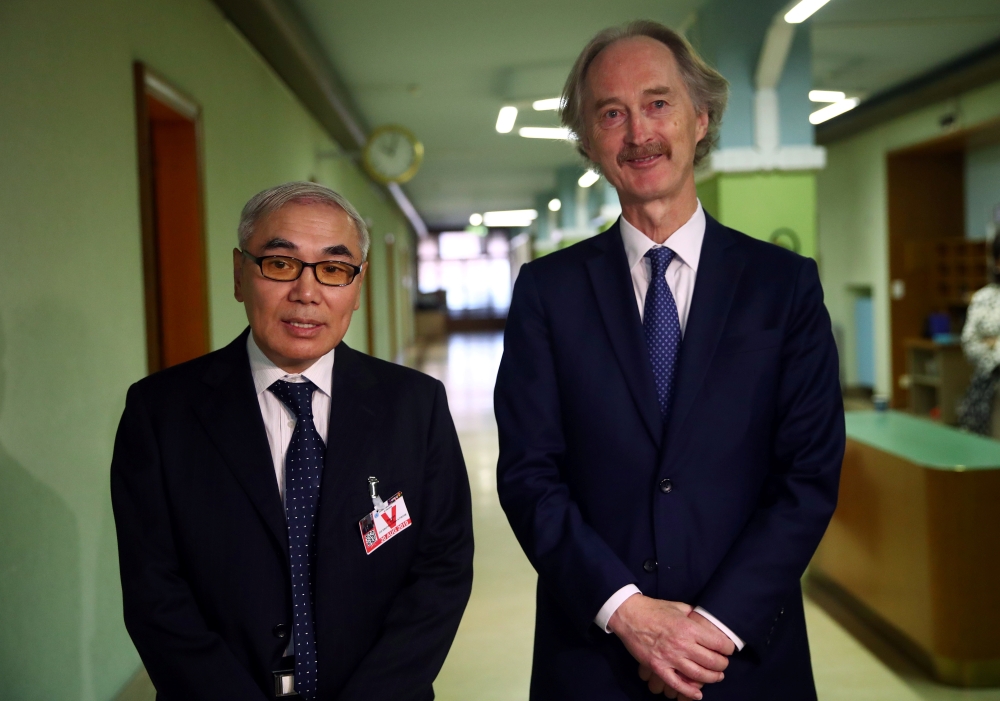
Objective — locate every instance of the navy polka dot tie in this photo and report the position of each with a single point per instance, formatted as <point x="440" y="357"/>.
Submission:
<point x="662" y="326"/>
<point x="303" y="472"/>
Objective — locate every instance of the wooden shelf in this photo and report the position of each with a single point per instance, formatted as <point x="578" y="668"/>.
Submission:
<point x="957" y="269"/>
<point x="939" y="375"/>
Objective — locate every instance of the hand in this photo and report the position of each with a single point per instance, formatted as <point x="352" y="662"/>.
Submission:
<point x="658" y="686"/>
<point x="683" y="652"/>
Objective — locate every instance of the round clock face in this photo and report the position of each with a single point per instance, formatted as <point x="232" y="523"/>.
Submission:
<point x="392" y="154"/>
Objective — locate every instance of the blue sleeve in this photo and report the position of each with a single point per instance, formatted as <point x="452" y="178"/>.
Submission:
<point x="765" y="563"/>
<point x="573" y="562"/>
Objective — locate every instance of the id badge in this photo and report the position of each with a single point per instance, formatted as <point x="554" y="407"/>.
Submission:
<point x="381" y="525"/>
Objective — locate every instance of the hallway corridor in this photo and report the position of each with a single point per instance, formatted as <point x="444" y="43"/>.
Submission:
<point x="491" y="657"/>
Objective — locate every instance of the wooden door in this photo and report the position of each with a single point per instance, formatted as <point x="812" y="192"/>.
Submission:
<point x="176" y="280"/>
<point x="926" y="206"/>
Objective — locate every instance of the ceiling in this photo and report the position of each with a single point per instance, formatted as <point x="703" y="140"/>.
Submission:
<point x="444" y="68"/>
<point x="864" y="47"/>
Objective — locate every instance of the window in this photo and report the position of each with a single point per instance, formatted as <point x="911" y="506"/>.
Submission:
<point x="473" y="270"/>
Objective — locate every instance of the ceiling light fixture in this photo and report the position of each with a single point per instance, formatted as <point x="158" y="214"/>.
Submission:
<point x="506" y="119"/>
<point x="560" y="133"/>
<point x="510" y="218"/>
<point x="588" y="179"/>
<point x="803" y="11"/>
<point x="834" y="110"/>
<point x="476" y="219"/>
<point x="826" y="95"/>
<point x="551" y="103"/>
<point x="555" y="204"/>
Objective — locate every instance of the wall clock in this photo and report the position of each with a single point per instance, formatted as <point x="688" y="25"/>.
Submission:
<point x="786" y="238"/>
<point x="392" y="154"/>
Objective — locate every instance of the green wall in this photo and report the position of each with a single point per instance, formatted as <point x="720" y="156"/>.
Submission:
<point x="758" y="204"/>
<point x="853" y="216"/>
<point x="71" y="295"/>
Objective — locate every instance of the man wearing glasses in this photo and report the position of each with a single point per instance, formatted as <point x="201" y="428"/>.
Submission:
<point x="258" y="558"/>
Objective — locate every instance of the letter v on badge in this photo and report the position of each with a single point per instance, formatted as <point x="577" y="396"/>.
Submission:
<point x="379" y="526"/>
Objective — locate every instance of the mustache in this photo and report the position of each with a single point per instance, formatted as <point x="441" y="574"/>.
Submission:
<point x="631" y="153"/>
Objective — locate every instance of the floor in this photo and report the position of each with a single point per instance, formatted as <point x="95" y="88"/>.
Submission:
<point x="491" y="657"/>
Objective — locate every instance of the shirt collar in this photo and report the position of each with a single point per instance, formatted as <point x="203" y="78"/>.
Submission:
<point x="685" y="242"/>
<point x="266" y="373"/>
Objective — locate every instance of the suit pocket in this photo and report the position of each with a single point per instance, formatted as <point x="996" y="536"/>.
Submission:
<point x="744" y="343"/>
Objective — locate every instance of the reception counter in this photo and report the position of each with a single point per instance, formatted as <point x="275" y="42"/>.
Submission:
<point x="914" y="546"/>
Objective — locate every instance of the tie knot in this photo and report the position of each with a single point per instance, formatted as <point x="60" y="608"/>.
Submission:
<point x="660" y="258"/>
<point x="297" y="396"/>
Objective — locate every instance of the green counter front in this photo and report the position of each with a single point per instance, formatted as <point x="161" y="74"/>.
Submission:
<point x="914" y="545"/>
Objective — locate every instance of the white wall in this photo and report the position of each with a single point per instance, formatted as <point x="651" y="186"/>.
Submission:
<point x="853" y="215"/>
<point x="982" y="191"/>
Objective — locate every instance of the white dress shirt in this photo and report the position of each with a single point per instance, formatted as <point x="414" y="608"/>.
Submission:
<point x="681" y="273"/>
<point x="279" y="420"/>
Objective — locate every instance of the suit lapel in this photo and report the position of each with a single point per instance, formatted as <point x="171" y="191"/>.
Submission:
<point x="231" y="415"/>
<point x="609" y="274"/>
<point x="354" y="412"/>
<point x="719" y="271"/>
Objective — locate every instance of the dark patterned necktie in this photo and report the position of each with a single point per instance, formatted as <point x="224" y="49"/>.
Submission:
<point x="662" y="326"/>
<point x="303" y="473"/>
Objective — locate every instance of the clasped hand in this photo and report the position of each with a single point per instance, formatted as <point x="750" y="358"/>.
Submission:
<point x="678" y="650"/>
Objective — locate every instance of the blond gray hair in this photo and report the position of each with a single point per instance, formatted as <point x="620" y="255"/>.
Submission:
<point x="708" y="89"/>
<point x="274" y="198"/>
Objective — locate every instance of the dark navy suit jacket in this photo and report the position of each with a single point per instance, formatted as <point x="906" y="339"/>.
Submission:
<point x="203" y="542"/>
<point x="752" y="450"/>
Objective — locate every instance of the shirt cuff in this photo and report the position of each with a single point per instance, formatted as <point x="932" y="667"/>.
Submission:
<point x="737" y="641"/>
<point x="612" y="604"/>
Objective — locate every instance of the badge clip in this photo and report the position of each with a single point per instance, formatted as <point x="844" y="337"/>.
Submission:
<point x="377" y="502"/>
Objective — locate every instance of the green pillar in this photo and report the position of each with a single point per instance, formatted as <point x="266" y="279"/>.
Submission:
<point x="776" y="206"/>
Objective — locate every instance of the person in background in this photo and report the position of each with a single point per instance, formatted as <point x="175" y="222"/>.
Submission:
<point x="243" y="490"/>
<point x="979" y="341"/>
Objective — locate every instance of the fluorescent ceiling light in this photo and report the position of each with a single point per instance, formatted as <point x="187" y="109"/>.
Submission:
<point x="510" y="218"/>
<point x="831" y="111"/>
<point x="555" y="204"/>
<point x="826" y="95"/>
<point x="588" y="179"/>
<point x="506" y="119"/>
<point x="552" y="103"/>
<point x="545" y="133"/>
<point x="476" y="219"/>
<point x="803" y="11"/>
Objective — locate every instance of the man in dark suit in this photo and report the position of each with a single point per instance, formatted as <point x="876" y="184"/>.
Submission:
<point x="257" y="560"/>
<point x="671" y="428"/>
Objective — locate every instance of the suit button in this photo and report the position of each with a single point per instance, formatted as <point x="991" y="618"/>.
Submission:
<point x="649" y="566"/>
<point x="666" y="486"/>
<point x="281" y="631"/>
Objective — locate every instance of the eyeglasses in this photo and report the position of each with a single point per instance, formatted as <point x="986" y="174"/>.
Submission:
<point x="334" y="273"/>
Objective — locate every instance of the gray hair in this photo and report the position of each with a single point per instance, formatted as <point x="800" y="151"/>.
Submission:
<point x="708" y="89"/>
<point x="274" y="198"/>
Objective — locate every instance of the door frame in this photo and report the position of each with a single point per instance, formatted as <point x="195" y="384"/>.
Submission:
<point x="148" y="83"/>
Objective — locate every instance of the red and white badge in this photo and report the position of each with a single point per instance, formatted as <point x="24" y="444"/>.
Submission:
<point x="379" y="526"/>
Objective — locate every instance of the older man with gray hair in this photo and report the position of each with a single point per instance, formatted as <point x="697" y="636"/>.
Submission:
<point x="671" y="428"/>
<point x="258" y="557"/>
